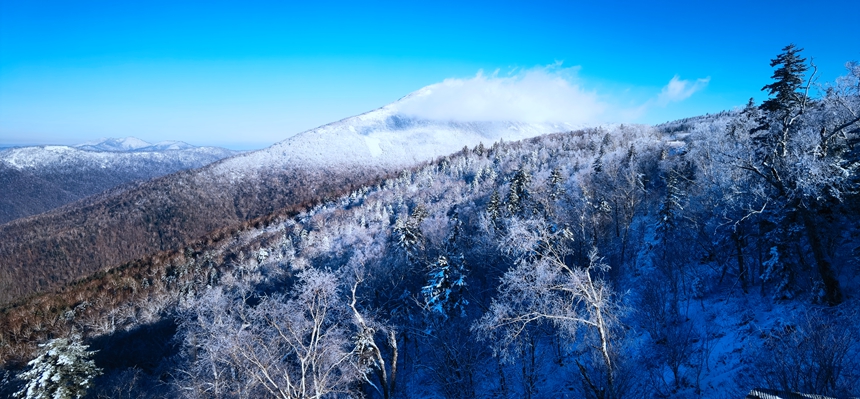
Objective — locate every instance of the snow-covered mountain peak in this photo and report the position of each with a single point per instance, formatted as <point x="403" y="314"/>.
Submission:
<point x="169" y="145"/>
<point x="110" y="153"/>
<point x="115" y="144"/>
<point x="132" y="144"/>
<point x="386" y="137"/>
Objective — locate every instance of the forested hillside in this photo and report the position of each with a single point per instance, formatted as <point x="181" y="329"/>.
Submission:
<point x="699" y="258"/>
<point x="137" y="220"/>
<point x="38" y="179"/>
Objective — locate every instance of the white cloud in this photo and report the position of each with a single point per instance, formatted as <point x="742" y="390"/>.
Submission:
<point x="542" y="94"/>
<point x="679" y="90"/>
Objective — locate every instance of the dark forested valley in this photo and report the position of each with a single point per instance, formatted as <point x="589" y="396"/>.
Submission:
<point x="703" y="257"/>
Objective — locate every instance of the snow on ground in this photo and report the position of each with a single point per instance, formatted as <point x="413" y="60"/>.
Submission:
<point x="729" y="328"/>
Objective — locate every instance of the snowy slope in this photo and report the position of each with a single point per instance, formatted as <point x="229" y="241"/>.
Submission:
<point x="385" y="138"/>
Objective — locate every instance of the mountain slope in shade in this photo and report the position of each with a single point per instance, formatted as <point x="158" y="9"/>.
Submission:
<point x="25" y="194"/>
<point x="38" y="179"/>
<point x="132" y="221"/>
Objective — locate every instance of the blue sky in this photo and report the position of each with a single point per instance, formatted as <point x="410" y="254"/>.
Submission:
<point x="248" y="74"/>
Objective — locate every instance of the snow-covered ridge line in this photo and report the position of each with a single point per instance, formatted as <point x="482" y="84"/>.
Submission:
<point x="51" y="155"/>
<point x="386" y="137"/>
<point x="132" y="144"/>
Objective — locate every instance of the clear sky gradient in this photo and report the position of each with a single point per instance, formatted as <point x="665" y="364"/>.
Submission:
<point x="248" y="74"/>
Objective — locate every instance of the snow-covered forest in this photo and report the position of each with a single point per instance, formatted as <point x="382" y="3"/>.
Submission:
<point x="699" y="258"/>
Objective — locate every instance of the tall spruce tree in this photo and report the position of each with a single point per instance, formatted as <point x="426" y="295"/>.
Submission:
<point x="63" y="370"/>
<point x="789" y="98"/>
<point x="494" y="206"/>
<point x="777" y="161"/>
<point x="519" y="191"/>
<point x="555" y="183"/>
<point x="788" y="80"/>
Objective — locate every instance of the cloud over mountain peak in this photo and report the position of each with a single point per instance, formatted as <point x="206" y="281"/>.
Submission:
<point x="541" y="94"/>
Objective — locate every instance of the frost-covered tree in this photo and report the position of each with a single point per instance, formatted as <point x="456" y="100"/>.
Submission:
<point x="798" y="163"/>
<point x="407" y="232"/>
<point x="519" y="191"/>
<point x="727" y="202"/>
<point x="668" y="215"/>
<point x="543" y="288"/>
<point x="597" y="165"/>
<point x="456" y="229"/>
<point x="367" y="353"/>
<point x="286" y="346"/>
<point x="494" y="206"/>
<point x="479" y="149"/>
<point x="63" y="370"/>
<point x="555" y="183"/>
<point x="446" y="285"/>
<point x="803" y="154"/>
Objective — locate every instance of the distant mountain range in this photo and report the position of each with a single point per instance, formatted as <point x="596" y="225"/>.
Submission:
<point x="133" y="221"/>
<point x="133" y="144"/>
<point x="40" y="178"/>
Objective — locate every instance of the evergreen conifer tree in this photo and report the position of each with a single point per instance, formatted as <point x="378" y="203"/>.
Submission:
<point x="407" y="233"/>
<point x="786" y="116"/>
<point x="786" y="104"/>
<point x="514" y="203"/>
<point x="518" y="192"/>
<point x="788" y="79"/>
<point x="446" y="286"/>
<point x="631" y="155"/>
<point x="63" y="370"/>
<point x="555" y="181"/>
<point x="597" y="165"/>
<point x="667" y="215"/>
<point x="479" y="149"/>
<point x="456" y="229"/>
<point x="494" y="207"/>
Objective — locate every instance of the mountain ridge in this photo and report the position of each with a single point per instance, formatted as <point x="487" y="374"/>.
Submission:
<point x="133" y="144"/>
<point x="41" y="178"/>
<point x="388" y="138"/>
<point x="162" y="214"/>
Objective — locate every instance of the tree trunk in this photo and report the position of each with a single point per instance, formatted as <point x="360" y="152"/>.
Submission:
<point x="392" y="342"/>
<point x="831" y="284"/>
<point x="742" y="271"/>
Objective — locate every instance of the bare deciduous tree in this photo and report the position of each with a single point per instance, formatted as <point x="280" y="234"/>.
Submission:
<point x="812" y="355"/>
<point x="369" y="355"/>
<point x="287" y="347"/>
<point x="544" y="288"/>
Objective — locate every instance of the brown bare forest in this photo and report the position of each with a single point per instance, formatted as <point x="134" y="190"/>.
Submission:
<point x="43" y="252"/>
